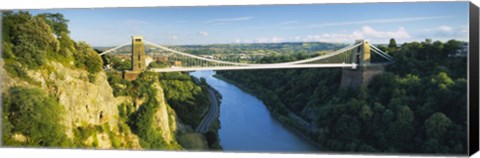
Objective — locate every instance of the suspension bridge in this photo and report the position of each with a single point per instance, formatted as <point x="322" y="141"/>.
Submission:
<point x="352" y="56"/>
<point x="356" y="61"/>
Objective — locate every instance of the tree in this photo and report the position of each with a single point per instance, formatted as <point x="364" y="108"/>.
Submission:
<point x="428" y="41"/>
<point x="383" y="48"/>
<point x="403" y="131"/>
<point x="437" y="125"/>
<point x="57" y="22"/>
<point x="211" y="138"/>
<point x="118" y="64"/>
<point x="392" y="44"/>
<point x="348" y="127"/>
<point x="31" y="37"/>
<point x="67" y="45"/>
<point x="87" y="58"/>
<point x="451" y="47"/>
<point x="186" y="97"/>
<point x="365" y="113"/>
<point x="37" y="116"/>
<point x="7" y="24"/>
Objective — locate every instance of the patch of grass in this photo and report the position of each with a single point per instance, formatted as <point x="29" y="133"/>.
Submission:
<point x="92" y="77"/>
<point x="114" y="139"/>
<point x="15" y="69"/>
<point x="82" y="133"/>
<point x="95" y="140"/>
<point x="193" y="141"/>
<point x="61" y="58"/>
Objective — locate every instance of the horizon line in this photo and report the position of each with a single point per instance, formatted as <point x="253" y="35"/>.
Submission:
<point x="233" y="43"/>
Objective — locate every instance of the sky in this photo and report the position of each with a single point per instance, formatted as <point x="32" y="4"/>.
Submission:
<point x="337" y="23"/>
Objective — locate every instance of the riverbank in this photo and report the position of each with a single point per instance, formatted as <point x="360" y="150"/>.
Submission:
<point x="210" y="123"/>
<point x="276" y="117"/>
<point x="211" y="115"/>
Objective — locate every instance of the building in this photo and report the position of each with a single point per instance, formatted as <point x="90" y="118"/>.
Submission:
<point x="177" y="63"/>
<point x="161" y="58"/>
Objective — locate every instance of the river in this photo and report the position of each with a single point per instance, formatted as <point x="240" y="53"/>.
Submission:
<point x="246" y="123"/>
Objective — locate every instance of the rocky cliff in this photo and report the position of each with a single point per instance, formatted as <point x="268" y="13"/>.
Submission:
<point x="91" y="111"/>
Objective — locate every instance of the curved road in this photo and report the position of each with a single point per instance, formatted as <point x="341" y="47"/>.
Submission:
<point x="211" y="115"/>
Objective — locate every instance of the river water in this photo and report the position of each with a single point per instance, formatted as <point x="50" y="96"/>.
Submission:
<point x="246" y="123"/>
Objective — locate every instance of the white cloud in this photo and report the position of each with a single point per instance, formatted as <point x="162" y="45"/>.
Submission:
<point x="277" y="39"/>
<point x="445" y="32"/>
<point x="369" y="32"/>
<point x="229" y="19"/>
<point x="366" y="32"/>
<point x="373" y="21"/>
<point x="334" y="37"/>
<point x="248" y="41"/>
<point x="273" y="39"/>
<point x="261" y="40"/>
<point x="238" y="40"/>
<point x="445" y="29"/>
<point x="173" y="37"/>
<point x="297" y="38"/>
<point x="203" y="33"/>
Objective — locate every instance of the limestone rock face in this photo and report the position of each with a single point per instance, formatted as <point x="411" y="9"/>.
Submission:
<point x="90" y="107"/>
<point x="87" y="103"/>
<point x="162" y="118"/>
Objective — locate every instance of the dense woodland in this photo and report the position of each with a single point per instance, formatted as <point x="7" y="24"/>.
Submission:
<point x="418" y="105"/>
<point x="185" y="94"/>
<point x="30" y="41"/>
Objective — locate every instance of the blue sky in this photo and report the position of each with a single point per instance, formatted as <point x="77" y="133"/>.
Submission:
<point x="341" y="23"/>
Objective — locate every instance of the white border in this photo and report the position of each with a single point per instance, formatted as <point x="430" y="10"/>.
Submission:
<point x="73" y="153"/>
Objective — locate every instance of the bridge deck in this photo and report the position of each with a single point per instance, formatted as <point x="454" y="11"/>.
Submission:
<point x="172" y="69"/>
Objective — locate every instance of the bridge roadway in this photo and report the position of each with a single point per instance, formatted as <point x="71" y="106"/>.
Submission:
<point x="211" y="115"/>
<point x="272" y="66"/>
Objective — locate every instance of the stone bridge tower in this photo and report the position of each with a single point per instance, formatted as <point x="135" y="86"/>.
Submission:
<point x="138" y="59"/>
<point x="138" y="54"/>
<point x="364" y="72"/>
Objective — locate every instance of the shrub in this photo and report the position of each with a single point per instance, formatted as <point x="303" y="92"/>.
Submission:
<point x="31" y="37"/>
<point x="37" y="116"/>
<point x="87" y="58"/>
